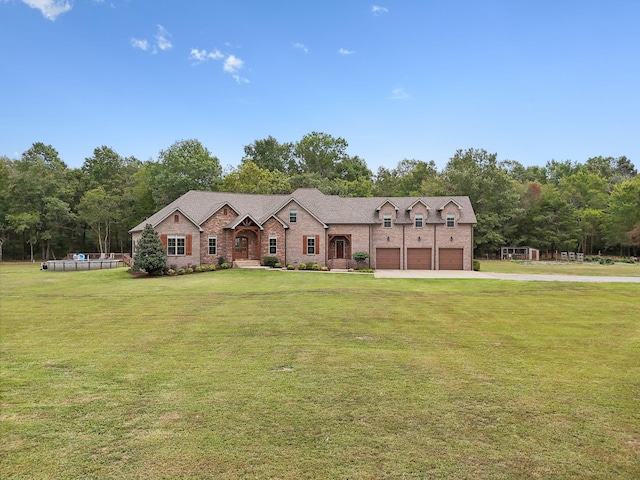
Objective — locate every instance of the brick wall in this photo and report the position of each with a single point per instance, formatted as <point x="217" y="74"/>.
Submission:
<point x="169" y="226"/>
<point x="306" y="225"/>
<point x="459" y="236"/>
<point x="273" y="228"/>
<point x="360" y="240"/>
<point x="214" y="225"/>
<point x="419" y="237"/>
<point x="382" y="237"/>
<point x="290" y="248"/>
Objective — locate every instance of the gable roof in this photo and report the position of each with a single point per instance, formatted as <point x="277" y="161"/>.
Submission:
<point x="417" y="202"/>
<point x="446" y="202"/>
<point x="302" y="192"/>
<point x="384" y="203"/>
<point x="170" y="212"/>
<point x="241" y="218"/>
<point x="198" y="206"/>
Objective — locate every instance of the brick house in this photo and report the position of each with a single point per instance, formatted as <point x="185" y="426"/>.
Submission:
<point x="427" y="233"/>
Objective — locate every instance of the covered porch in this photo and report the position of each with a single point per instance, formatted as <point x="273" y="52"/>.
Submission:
<point x="339" y="250"/>
<point x="246" y="241"/>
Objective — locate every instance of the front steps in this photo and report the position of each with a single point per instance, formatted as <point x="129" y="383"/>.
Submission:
<point x="248" y="264"/>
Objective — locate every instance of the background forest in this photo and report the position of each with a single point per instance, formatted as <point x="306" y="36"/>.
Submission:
<point x="48" y="210"/>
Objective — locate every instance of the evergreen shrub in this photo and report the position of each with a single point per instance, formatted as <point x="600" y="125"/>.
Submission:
<point x="270" y="261"/>
<point x="151" y="255"/>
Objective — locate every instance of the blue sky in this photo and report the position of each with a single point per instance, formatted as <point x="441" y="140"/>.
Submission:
<point x="530" y="81"/>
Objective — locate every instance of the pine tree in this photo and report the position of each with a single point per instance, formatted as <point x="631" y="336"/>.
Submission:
<point x="150" y="255"/>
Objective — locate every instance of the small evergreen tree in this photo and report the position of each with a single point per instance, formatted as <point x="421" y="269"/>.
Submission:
<point x="150" y="255"/>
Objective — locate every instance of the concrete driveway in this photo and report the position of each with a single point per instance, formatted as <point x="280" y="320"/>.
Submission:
<point x="431" y="274"/>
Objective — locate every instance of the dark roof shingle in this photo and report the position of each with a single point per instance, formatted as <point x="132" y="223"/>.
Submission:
<point x="329" y="209"/>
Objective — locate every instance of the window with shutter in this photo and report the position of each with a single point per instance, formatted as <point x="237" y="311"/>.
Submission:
<point x="176" y="244"/>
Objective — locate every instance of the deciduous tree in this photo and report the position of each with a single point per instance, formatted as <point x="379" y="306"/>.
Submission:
<point x="99" y="209"/>
<point x="623" y="212"/>
<point x="185" y="165"/>
<point x="269" y="154"/>
<point x="550" y="223"/>
<point x="320" y="153"/>
<point x="249" y="178"/>
<point x="493" y="194"/>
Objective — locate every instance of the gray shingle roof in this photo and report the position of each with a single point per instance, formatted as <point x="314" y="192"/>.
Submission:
<point x="329" y="209"/>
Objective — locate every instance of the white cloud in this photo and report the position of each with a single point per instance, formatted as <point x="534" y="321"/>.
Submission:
<point x="233" y="65"/>
<point x="344" y="51"/>
<point x="161" y="39"/>
<point x="50" y="8"/>
<point x="240" y="79"/>
<point x="199" y="56"/>
<point x="399" y="94"/>
<point x="301" y="47"/>
<point x="378" y="10"/>
<point x="141" y="44"/>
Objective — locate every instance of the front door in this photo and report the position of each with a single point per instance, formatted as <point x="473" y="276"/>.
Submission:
<point x="242" y="248"/>
<point x="339" y="248"/>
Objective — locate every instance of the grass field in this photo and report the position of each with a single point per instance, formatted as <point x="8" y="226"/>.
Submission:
<point x="263" y="374"/>
<point x="561" y="268"/>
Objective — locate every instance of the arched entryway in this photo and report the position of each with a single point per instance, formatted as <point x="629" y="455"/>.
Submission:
<point x="246" y="238"/>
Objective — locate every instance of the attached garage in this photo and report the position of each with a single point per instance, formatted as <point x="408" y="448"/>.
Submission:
<point x="388" y="258"/>
<point x="418" y="258"/>
<point x="451" y="258"/>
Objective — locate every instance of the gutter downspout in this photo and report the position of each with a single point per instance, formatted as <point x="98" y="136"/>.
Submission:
<point x="404" y="249"/>
<point x="435" y="248"/>
<point x="472" y="249"/>
<point x="326" y="246"/>
<point x="370" y="244"/>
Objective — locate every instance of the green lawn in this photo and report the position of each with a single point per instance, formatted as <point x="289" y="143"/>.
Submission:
<point x="560" y="268"/>
<point x="264" y="374"/>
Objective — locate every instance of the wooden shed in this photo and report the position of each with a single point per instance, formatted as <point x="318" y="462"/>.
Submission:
<point x="519" y="253"/>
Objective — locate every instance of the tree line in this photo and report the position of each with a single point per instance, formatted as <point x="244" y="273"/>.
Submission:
<point x="48" y="210"/>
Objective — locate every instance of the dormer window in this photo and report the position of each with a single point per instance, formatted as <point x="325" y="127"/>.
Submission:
<point x="451" y="220"/>
<point x="386" y="221"/>
<point x="418" y="221"/>
<point x="293" y="216"/>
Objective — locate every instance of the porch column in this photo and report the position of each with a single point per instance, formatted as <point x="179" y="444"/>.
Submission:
<point x="233" y="247"/>
<point x="259" y="244"/>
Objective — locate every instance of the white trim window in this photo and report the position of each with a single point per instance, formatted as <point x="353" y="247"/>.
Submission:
<point x="451" y="220"/>
<point x="213" y="245"/>
<point x="273" y="245"/>
<point x="418" y="221"/>
<point x="176" y="245"/>
<point x="293" y="216"/>
<point x="311" y="245"/>
<point x="386" y="221"/>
